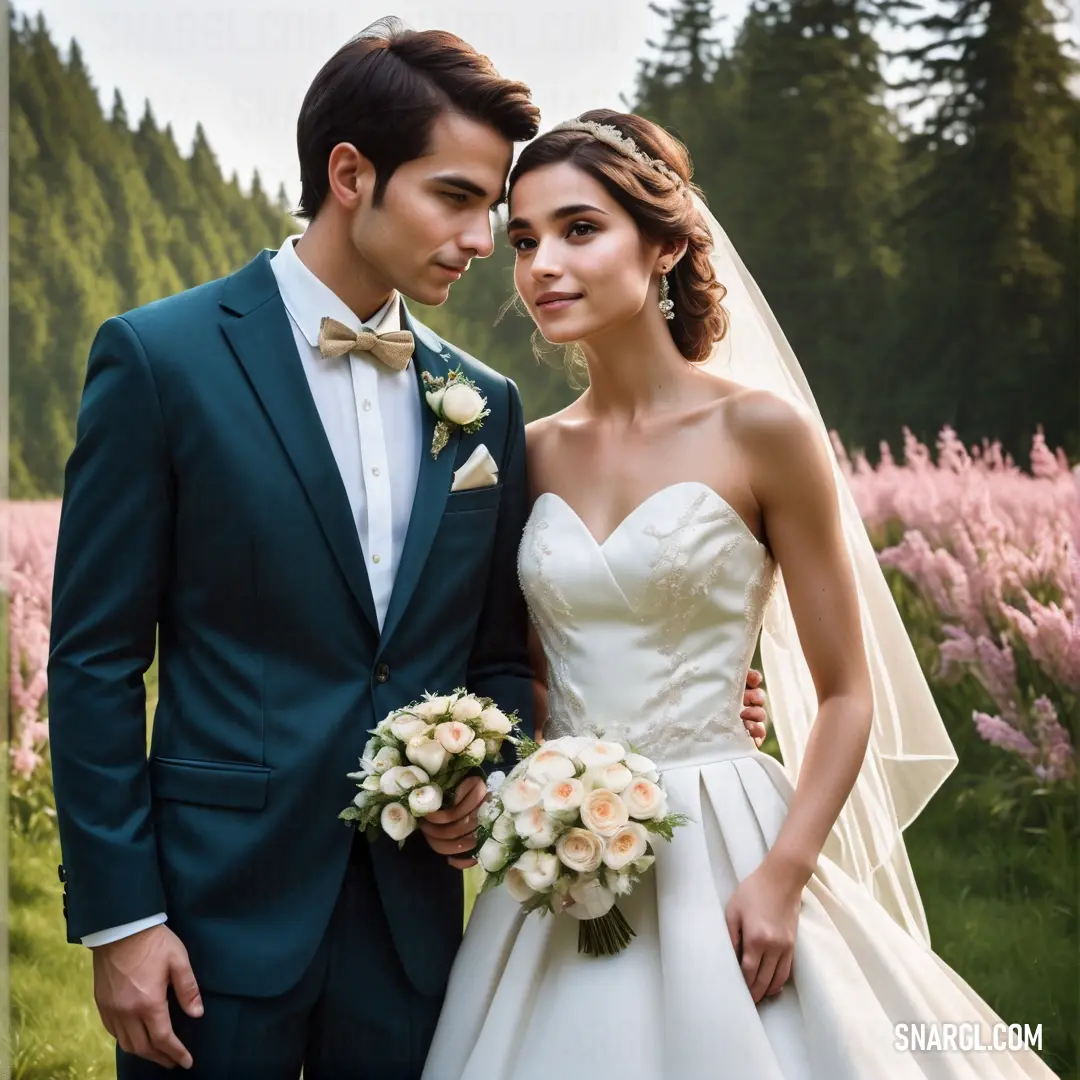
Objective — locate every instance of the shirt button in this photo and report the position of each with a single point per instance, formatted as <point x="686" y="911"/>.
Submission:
<point x="382" y="673"/>
<point x="374" y="558"/>
<point x="367" y="405"/>
<point x="375" y="470"/>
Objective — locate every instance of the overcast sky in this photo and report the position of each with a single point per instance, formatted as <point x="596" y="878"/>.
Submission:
<point x="241" y="67"/>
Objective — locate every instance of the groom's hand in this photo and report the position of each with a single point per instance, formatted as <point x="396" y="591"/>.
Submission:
<point x="131" y="981"/>
<point x="452" y="831"/>
<point x="753" y="714"/>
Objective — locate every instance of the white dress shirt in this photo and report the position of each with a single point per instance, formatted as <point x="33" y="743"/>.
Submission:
<point x="372" y="419"/>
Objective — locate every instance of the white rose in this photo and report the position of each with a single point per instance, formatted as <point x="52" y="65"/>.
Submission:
<point x="628" y="844"/>
<point x="521" y="794"/>
<point x="362" y="798"/>
<point x="580" y="850"/>
<point x="536" y="827"/>
<point x="394" y="781"/>
<point x="503" y="830"/>
<point x="516" y="887"/>
<point x="644" y="800"/>
<point x="385" y="759"/>
<point x="369" y="749"/>
<point x="539" y="869"/>
<point x="598" y="753"/>
<point x="408" y="727"/>
<point x="434" y="708"/>
<point x="615" y="777"/>
<point x="476" y="751"/>
<point x="591" y="899"/>
<point x="461" y="404"/>
<point x="426" y="753"/>
<point x="547" y="765"/>
<point x="603" y="812"/>
<point x="492" y="856"/>
<point x="396" y="821"/>
<point x="495" y="722"/>
<point x="642" y="766"/>
<point x="372" y="783"/>
<point x="570" y="745"/>
<point x="495" y="779"/>
<point x="384" y="728"/>
<point x="466" y="708"/>
<point x="454" y="737"/>
<point x="488" y="813"/>
<point x="426" y="799"/>
<point x="563" y="796"/>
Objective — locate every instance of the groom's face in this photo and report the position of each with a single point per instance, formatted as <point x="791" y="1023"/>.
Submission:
<point x="435" y="215"/>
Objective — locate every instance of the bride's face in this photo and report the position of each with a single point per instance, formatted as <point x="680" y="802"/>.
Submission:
<point x="581" y="264"/>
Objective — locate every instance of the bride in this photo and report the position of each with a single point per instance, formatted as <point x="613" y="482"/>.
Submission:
<point x="685" y="504"/>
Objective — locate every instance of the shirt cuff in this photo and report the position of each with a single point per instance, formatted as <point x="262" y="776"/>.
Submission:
<point x="115" y="933"/>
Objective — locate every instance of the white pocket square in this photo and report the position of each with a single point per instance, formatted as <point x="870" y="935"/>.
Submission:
<point x="479" y="471"/>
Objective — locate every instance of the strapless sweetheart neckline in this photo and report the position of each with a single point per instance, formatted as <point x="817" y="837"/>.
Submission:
<point x="644" y="504"/>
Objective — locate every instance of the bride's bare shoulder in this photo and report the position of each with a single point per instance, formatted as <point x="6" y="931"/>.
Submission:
<point x="541" y="430"/>
<point x="541" y="441"/>
<point x="781" y="437"/>
<point x="758" y="415"/>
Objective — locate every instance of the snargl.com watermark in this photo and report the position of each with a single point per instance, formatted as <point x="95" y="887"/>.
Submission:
<point x="966" y="1037"/>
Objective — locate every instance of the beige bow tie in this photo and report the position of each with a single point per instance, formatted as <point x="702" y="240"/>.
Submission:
<point x="394" y="349"/>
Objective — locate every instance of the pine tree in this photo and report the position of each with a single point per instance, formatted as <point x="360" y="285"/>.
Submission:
<point x="102" y="218"/>
<point x="119" y="116"/>
<point x="792" y="145"/>
<point x="991" y="226"/>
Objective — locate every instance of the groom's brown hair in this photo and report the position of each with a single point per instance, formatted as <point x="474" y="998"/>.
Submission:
<point x="383" y="90"/>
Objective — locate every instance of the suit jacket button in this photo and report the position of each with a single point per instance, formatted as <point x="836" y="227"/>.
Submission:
<point x="61" y="873"/>
<point x="382" y="673"/>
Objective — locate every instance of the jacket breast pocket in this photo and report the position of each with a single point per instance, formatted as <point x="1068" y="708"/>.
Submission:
<point x="485" y="498"/>
<point x="234" y="785"/>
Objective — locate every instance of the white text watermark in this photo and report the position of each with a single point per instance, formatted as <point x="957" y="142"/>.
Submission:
<point x="966" y="1037"/>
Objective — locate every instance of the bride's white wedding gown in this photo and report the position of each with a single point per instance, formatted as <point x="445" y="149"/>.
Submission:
<point x="650" y="635"/>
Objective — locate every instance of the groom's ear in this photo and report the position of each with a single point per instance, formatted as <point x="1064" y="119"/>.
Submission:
<point x="351" y="176"/>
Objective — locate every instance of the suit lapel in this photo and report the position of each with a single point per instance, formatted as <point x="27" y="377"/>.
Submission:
<point x="263" y="342"/>
<point x="432" y="483"/>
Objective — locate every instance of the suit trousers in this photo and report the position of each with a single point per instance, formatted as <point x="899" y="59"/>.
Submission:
<point x="354" y="1015"/>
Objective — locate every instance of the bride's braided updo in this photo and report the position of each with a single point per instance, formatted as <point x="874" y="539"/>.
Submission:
<point x="647" y="171"/>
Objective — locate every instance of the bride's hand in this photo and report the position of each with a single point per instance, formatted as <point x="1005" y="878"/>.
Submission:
<point x="762" y="919"/>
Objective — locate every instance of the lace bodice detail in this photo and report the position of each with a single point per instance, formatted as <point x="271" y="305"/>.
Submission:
<point x="649" y="635"/>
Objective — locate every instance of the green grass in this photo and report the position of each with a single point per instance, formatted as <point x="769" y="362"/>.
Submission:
<point x="55" y="1030"/>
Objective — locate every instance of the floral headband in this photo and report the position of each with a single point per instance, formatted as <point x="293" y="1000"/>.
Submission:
<point x="613" y="137"/>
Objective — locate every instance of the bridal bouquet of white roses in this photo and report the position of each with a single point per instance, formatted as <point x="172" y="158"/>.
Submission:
<point x="569" y="831"/>
<point x="418" y="755"/>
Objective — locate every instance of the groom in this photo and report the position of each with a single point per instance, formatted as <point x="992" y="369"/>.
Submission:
<point x="253" y="494"/>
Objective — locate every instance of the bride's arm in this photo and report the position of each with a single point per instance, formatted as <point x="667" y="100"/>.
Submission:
<point x="792" y="480"/>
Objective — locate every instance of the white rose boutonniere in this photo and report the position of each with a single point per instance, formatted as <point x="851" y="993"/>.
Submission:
<point x="457" y="403"/>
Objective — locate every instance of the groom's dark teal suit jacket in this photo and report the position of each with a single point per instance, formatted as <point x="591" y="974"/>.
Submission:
<point x="202" y="504"/>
